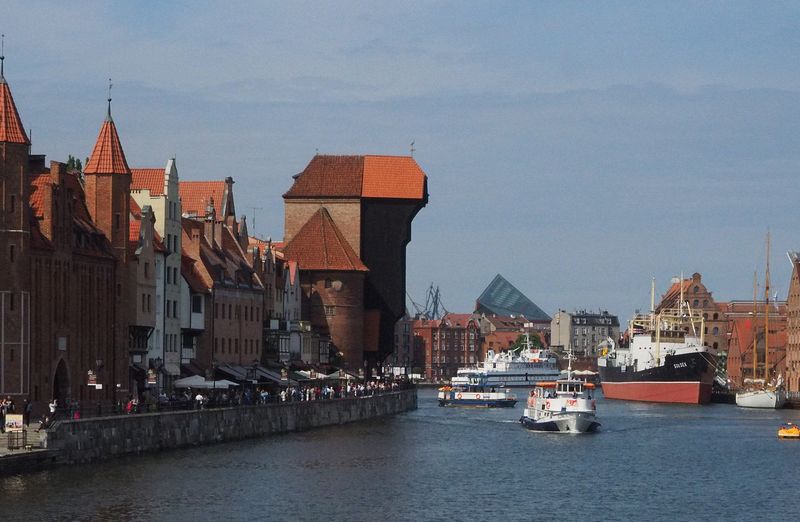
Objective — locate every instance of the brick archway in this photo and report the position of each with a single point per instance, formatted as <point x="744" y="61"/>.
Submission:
<point x="61" y="384"/>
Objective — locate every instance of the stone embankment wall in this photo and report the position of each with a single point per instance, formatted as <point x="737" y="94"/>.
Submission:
<point x="86" y="440"/>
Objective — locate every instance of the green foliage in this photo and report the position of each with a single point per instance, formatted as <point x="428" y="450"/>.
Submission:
<point x="74" y="164"/>
<point x="522" y="342"/>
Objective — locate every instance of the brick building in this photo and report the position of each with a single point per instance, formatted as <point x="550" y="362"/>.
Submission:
<point x="447" y="344"/>
<point x="500" y="332"/>
<point x="740" y="347"/>
<point x="217" y="272"/>
<point x="793" y="327"/>
<point x="59" y="299"/>
<point x="369" y="203"/>
<point x="699" y="298"/>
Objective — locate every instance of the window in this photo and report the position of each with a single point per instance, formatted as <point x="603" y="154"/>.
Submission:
<point x="328" y="282"/>
<point x="11" y="253"/>
<point x="174" y="308"/>
<point x="236" y="345"/>
<point x="13" y="202"/>
<point x="149" y="308"/>
<point x="197" y="304"/>
<point x="330" y="310"/>
<point x="216" y="310"/>
<point x="175" y="275"/>
<point x="715" y="331"/>
<point x="147" y="269"/>
<point x="116" y="220"/>
<point x="11" y="302"/>
<point x="696" y="289"/>
<point x="695" y="303"/>
<point x="230" y="314"/>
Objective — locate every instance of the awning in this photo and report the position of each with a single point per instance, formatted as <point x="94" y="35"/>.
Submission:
<point x="197" y="381"/>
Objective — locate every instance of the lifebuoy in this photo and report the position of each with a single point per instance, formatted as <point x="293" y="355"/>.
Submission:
<point x="547" y="404"/>
<point x="477" y="395"/>
<point x="458" y="396"/>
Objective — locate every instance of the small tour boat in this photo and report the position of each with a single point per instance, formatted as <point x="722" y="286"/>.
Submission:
<point x="564" y="406"/>
<point x="476" y="393"/>
<point x="790" y="431"/>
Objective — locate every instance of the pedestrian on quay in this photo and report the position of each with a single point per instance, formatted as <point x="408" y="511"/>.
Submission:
<point x="3" y="410"/>
<point x="52" y="406"/>
<point x="27" y="408"/>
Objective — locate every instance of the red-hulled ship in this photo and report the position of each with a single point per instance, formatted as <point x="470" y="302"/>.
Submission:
<point x="665" y="360"/>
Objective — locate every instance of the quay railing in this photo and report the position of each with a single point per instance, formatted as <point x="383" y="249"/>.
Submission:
<point x="220" y="400"/>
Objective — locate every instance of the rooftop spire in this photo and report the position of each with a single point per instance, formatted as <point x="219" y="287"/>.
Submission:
<point x="108" y="114"/>
<point x="107" y="156"/>
<point x="11" y="129"/>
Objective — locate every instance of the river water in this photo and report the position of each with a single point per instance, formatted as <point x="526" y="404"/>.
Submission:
<point x="656" y="462"/>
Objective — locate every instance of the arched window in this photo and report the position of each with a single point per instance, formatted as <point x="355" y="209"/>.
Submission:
<point x="328" y="282"/>
<point x="716" y="316"/>
<point x="696" y="303"/>
<point x="705" y="303"/>
<point x="715" y="331"/>
<point x="696" y="289"/>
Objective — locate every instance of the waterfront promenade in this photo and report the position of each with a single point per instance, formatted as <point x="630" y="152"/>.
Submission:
<point x="99" y="438"/>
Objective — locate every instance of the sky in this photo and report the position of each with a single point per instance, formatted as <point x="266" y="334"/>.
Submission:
<point x="577" y="148"/>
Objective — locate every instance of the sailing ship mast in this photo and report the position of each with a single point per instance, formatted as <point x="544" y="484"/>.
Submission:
<point x="766" y="320"/>
<point x="753" y="325"/>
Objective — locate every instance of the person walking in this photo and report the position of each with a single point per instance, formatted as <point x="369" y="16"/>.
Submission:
<point x="27" y="408"/>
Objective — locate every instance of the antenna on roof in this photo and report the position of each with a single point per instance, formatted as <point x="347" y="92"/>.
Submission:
<point x="2" y="53"/>
<point x="413" y="150"/>
<point x="253" y="217"/>
<point x="316" y="151"/>
<point x="108" y="115"/>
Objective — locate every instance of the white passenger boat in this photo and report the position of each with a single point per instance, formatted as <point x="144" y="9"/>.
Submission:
<point x="525" y="368"/>
<point x="563" y="406"/>
<point x="476" y="393"/>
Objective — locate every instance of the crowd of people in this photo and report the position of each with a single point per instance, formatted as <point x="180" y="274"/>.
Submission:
<point x="205" y="398"/>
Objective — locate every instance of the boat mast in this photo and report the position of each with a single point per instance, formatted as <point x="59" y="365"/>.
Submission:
<point x="753" y="325"/>
<point x="766" y="320"/>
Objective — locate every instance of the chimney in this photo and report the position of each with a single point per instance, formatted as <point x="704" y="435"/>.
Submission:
<point x="36" y="163"/>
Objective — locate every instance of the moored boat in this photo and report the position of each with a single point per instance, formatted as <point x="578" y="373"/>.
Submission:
<point x="665" y="359"/>
<point x="476" y="393"/>
<point x="505" y="369"/>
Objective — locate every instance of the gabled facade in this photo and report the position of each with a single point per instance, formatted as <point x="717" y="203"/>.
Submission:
<point x="699" y="298"/>
<point x="447" y="344"/>
<point x="793" y="327"/>
<point x="159" y="189"/>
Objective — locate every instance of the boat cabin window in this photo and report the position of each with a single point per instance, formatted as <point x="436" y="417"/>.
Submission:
<point x="570" y="387"/>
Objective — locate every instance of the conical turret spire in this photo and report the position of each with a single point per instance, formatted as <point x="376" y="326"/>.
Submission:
<point x="11" y="129"/>
<point x="107" y="156"/>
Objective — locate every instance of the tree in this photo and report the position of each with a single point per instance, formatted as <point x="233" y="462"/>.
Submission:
<point x="74" y="164"/>
<point x="522" y="342"/>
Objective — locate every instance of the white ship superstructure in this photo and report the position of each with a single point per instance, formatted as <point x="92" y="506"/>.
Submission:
<point x="512" y="369"/>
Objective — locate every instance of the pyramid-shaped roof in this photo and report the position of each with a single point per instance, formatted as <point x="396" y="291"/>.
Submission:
<point x="11" y="129"/>
<point x="503" y="298"/>
<point x="107" y="156"/>
<point x="320" y="245"/>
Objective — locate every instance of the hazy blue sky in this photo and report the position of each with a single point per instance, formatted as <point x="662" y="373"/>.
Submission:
<point x="576" y="148"/>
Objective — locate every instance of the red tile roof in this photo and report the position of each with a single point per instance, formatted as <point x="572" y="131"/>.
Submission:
<point x="39" y="184"/>
<point x="107" y="156"/>
<point x="11" y="129"/>
<point x="320" y="245"/>
<point x="396" y="177"/>
<point x="148" y="179"/>
<point x="136" y="210"/>
<point x="134" y="232"/>
<point x="196" y="195"/>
